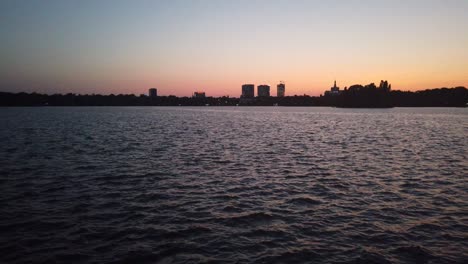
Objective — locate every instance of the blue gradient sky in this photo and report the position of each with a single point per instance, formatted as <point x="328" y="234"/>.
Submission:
<point x="216" y="46"/>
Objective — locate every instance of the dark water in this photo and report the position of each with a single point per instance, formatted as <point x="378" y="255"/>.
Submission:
<point x="233" y="185"/>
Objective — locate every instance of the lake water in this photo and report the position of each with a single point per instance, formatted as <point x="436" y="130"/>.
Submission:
<point x="233" y="185"/>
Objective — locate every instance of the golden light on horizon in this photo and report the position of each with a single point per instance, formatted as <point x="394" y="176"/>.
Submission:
<point x="217" y="48"/>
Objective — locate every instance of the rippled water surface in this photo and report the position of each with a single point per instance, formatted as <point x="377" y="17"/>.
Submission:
<point x="233" y="185"/>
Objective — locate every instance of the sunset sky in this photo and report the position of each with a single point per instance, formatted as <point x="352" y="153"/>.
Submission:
<point x="216" y="46"/>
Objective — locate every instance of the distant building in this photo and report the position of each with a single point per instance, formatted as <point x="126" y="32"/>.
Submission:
<point x="248" y="91"/>
<point x="263" y="90"/>
<point x="199" y="95"/>
<point x="153" y="92"/>
<point x="335" y="90"/>
<point x="280" y="89"/>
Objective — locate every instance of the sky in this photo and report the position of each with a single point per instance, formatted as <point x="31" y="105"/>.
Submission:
<point x="215" y="46"/>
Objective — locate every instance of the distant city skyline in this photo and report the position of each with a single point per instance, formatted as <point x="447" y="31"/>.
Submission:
<point x="104" y="47"/>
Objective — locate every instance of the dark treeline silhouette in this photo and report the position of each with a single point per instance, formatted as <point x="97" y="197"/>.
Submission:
<point x="366" y="96"/>
<point x="36" y="99"/>
<point x="457" y="97"/>
<point x="296" y="100"/>
<point x="369" y="96"/>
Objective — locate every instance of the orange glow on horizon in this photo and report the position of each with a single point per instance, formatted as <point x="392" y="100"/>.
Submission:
<point x="216" y="46"/>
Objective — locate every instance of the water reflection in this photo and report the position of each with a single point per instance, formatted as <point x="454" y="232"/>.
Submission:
<point x="257" y="184"/>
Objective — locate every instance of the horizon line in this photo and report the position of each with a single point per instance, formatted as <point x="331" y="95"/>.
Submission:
<point x="135" y="94"/>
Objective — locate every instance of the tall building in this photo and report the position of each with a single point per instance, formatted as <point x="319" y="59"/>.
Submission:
<point x="263" y="90"/>
<point x="248" y="91"/>
<point x="335" y="90"/>
<point x="153" y="92"/>
<point x="280" y="89"/>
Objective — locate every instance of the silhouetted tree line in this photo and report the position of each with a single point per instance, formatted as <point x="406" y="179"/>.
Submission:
<point x="371" y="96"/>
<point x="296" y="100"/>
<point x="366" y="96"/>
<point x="36" y="99"/>
<point x="457" y="97"/>
<point x="355" y="96"/>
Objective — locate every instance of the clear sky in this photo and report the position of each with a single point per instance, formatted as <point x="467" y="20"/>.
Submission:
<point x="215" y="46"/>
